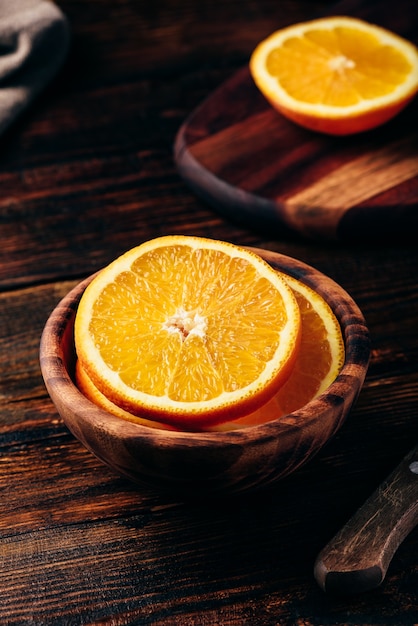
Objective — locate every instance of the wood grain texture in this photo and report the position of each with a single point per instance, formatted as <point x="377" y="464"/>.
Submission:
<point x="253" y="165"/>
<point x="86" y="173"/>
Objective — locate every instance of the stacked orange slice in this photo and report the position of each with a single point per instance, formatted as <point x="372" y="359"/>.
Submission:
<point x="187" y="331"/>
<point x="197" y="334"/>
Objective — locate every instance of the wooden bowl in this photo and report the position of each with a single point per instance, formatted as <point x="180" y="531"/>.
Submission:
<point x="209" y="462"/>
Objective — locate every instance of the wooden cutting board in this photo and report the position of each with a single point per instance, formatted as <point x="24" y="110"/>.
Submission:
<point x="258" y="168"/>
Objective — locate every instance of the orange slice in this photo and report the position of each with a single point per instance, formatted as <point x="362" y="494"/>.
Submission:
<point x="88" y="389"/>
<point x="318" y="363"/>
<point x="337" y="75"/>
<point x="188" y="331"/>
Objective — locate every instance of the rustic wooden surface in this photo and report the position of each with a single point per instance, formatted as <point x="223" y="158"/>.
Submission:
<point x="86" y="173"/>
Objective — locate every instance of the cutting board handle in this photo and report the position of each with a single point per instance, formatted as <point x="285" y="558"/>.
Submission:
<point x="357" y="558"/>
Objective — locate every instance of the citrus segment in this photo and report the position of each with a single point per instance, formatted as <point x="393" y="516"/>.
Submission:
<point x="318" y="362"/>
<point x="337" y="75"/>
<point x="187" y="331"/>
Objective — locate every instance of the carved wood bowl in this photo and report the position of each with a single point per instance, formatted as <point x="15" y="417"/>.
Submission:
<point x="208" y="462"/>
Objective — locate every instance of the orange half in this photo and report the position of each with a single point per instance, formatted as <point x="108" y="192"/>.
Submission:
<point x="337" y="75"/>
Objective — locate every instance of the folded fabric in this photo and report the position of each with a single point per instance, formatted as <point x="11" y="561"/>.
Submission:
<point x="34" y="40"/>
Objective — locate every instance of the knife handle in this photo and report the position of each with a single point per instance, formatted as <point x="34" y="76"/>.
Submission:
<point x="358" y="557"/>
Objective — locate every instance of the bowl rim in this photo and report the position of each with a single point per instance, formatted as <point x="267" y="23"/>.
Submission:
<point x="61" y="386"/>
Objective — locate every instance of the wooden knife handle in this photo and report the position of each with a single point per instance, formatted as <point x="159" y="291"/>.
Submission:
<point x="358" y="557"/>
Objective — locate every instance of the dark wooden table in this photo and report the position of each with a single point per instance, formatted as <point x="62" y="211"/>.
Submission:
<point x="86" y="173"/>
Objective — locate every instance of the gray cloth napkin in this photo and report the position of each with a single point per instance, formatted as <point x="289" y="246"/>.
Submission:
<point x="34" y="40"/>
